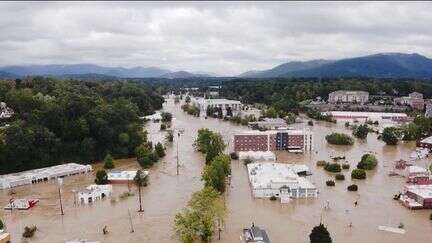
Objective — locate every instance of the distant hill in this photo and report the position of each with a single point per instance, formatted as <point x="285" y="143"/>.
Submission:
<point x="7" y="75"/>
<point x="88" y="76"/>
<point x="58" y="70"/>
<point x="383" y="65"/>
<point x="285" y="68"/>
<point x="182" y="74"/>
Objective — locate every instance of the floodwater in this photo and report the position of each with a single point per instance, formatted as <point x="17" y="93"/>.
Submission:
<point x="167" y="193"/>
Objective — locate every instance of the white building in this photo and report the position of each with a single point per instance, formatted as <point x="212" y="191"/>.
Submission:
<point x="347" y="96"/>
<point x="202" y="103"/>
<point x="279" y="180"/>
<point x="364" y="116"/>
<point x="43" y="174"/>
<point x="93" y="193"/>
<point x="269" y="123"/>
<point x="258" y="156"/>
<point x="123" y="177"/>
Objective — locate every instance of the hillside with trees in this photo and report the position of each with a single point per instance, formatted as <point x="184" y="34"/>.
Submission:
<point x="60" y="121"/>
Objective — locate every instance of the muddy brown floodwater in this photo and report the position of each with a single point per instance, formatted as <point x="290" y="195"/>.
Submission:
<point x="168" y="193"/>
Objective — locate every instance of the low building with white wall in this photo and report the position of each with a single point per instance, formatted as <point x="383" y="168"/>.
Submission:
<point x="234" y="105"/>
<point x="41" y="175"/>
<point x="93" y="193"/>
<point x="348" y="96"/>
<point x="279" y="180"/>
<point x="365" y="116"/>
<point x="123" y="177"/>
<point x="258" y="156"/>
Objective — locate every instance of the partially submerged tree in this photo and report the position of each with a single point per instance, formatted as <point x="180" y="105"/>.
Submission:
<point x="320" y="234"/>
<point x="108" y="162"/>
<point x="140" y="180"/>
<point x="101" y="177"/>
<point x="390" y="136"/>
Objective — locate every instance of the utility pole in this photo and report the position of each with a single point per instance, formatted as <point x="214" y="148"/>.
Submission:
<point x="178" y="138"/>
<point x="60" y="183"/>
<point x="130" y="221"/>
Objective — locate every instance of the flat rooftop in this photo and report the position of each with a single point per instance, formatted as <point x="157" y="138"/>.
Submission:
<point x="275" y="175"/>
<point x="47" y="171"/>
<point x="424" y="191"/>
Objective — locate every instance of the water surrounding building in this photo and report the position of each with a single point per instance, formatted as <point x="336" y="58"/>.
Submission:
<point x="348" y="96"/>
<point x="414" y="100"/>
<point x="269" y="123"/>
<point x="283" y="139"/>
<point x="417" y="197"/>
<point x="41" y="175"/>
<point x="279" y="180"/>
<point x="228" y="106"/>
<point x="93" y="193"/>
<point x="371" y="116"/>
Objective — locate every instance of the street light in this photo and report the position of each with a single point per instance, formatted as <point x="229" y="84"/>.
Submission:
<point x="178" y="138"/>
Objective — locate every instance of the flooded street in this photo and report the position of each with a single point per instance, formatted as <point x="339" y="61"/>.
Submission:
<point x="167" y="193"/>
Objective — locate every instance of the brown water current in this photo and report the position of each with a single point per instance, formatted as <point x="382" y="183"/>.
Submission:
<point x="167" y="193"/>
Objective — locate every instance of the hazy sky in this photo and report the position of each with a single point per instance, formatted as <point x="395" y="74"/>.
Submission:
<point x="224" y="38"/>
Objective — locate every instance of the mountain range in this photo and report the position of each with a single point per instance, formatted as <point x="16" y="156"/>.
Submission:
<point x="382" y="65"/>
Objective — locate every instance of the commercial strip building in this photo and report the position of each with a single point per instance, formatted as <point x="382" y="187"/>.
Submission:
<point x="93" y="193"/>
<point x="43" y="174"/>
<point x="234" y="106"/>
<point x="123" y="177"/>
<point x="279" y="180"/>
<point x="414" y="100"/>
<point x="417" y="197"/>
<point x="348" y="96"/>
<point x="371" y="116"/>
<point x="282" y="139"/>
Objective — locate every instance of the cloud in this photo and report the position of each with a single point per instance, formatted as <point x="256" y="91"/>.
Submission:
<point x="221" y="37"/>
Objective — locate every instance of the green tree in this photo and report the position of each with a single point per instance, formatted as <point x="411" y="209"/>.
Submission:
<point x="361" y="131"/>
<point x="367" y="162"/>
<point x="216" y="172"/>
<point x="166" y="117"/>
<point x="101" y="177"/>
<point x="332" y="167"/>
<point x="160" y="150"/>
<point x="140" y="180"/>
<point x="170" y="136"/>
<point x="108" y="162"/>
<point x="320" y="234"/>
<point x="389" y="136"/>
<point x="339" y="139"/>
<point x="358" y="174"/>
<point x="196" y="222"/>
<point x="2" y="225"/>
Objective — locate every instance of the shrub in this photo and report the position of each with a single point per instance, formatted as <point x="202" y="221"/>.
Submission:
<point x="320" y="234"/>
<point x="170" y="136"/>
<point x="145" y="161"/>
<point x="163" y="127"/>
<point x="352" y="188"/>
<point x="340" y="177"/>
<point x="234" y="156"/>
<point x="347" y="124"/>
<point x="154" y="157"/>
<point x="166" y="117"/>
<point x="273" y="198"/>
<point x="389" y="136"/>
<point x="345" y="166"/>
<point x="367" y="162"/>
<point x="160" y="150"/>
<point x="29" y="231"/>
<point x="358" y="174"/>
<point x="330" y="183"/>
<point x="1" y="225"/>
<point x="333" y="167"/>
<point x="361" y="131"/>
<point x="321" y="163"/>
<point x="339" y="139"/>
<point x="310" y="123"/>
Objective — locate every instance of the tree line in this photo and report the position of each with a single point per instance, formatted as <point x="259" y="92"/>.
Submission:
<point x="60" y="121"/>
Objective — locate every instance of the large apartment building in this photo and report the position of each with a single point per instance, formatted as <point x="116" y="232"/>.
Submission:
<point x="285" y="139"/>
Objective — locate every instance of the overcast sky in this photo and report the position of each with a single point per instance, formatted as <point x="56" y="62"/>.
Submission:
<point x="224" y="38"/>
